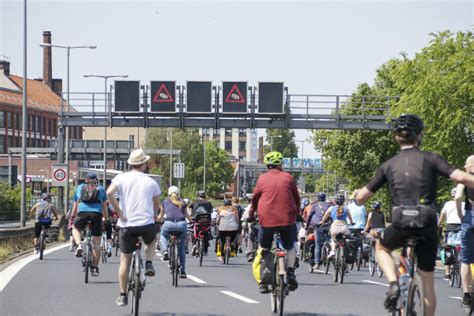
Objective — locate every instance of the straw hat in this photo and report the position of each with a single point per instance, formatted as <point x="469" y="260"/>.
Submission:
<point x="137" y="157"/>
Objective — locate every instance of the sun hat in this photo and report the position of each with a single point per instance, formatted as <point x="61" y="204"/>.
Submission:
<point x="137" y="157"/>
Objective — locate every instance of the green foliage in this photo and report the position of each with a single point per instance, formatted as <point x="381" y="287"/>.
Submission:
<point x="283" y="140"/>
<point x="218" y="167"/>
<point x="437" y="84"/>
<point x="10" y="201"/>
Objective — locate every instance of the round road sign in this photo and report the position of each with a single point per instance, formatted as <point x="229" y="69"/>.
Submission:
<point x="59" y="175"/>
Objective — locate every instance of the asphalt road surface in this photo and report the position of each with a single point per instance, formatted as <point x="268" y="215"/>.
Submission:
<point x="55" y="286"/>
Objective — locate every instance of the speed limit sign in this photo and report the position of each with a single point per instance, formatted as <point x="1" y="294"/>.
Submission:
<point x="59" y="174"/>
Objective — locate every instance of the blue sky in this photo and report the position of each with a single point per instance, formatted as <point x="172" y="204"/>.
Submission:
<point x="315" y="47"/>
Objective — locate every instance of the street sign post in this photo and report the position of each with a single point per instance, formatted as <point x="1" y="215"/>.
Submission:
<point x="178" y="170"/>
<point x="59" y="173"/>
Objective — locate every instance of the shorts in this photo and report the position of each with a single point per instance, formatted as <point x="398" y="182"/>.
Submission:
<point x="338" y="227"/>
<point x="39" y="225"/>
<point x="467" y="244"/>
<point x="427" y="249"/>
<point x="128" y="237"/>
<point x="288" y="236"/>
<point x="96" y="218"/>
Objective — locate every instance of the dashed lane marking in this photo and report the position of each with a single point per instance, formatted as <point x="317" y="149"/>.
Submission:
<point x="195" y="279"/>
<point x="8" y="274"/>
<point x="239" y="297"/>
<point x="323" y="272"/>
<point x="456" y="298"/>
<point x="373" y="282"/>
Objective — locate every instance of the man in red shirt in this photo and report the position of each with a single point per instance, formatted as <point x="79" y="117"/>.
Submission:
<point x="277" y="202"/>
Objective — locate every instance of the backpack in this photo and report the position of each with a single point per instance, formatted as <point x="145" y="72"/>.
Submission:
<point x="43" y="211"/>
<point x="89" y="192"/>
<point x="263" y="266"/>
<point x="201" y="210"/>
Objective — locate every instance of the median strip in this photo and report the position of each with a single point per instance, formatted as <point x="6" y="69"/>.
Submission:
<point x="239" y="297"/>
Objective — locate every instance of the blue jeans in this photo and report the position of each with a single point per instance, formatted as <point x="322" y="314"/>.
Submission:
<point x="165" y="234"/>
<point x="318" y="245"/>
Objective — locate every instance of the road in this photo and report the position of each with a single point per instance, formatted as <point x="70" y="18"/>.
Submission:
<point x="55" y="286"/>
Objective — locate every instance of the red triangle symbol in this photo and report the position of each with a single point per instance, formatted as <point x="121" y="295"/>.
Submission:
<point x="163" y="95"/>
<point x="234" y="95"/>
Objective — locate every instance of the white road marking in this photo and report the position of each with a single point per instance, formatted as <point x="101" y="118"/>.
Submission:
<point x="456" y="298"/>
<point x="373" y="282"/>
<point x="195" y="279"/>
<point x="321" y="271"/>
<point x="239" y="297"/>
<point x="158" y="254"/>
<point x="8" y="274"/>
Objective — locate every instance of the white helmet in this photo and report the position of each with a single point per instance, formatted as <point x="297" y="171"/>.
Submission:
<point x="173" y="189"/>
<point x="453" y="192"/>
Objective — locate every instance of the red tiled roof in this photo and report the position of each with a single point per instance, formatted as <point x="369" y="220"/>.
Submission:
<point x="40" y="96"/>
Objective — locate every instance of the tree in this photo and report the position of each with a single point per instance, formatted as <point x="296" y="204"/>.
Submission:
<point x="437" y="85"/>
<point x="282" y="140"/>
<point x="10" y="201"/>
<point x="219" y="172"/>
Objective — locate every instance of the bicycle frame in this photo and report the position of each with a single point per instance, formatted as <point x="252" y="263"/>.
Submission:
<point x="136" y="278"/>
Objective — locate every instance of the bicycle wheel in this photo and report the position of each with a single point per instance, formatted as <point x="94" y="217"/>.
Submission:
<point x="379" y="271"/>
<point x="281" y="294"/>
<point x="172" y="263"/>
<point x="325" y="260"/>
<point x="138" y="291"/>
<point x="372" y="267"/>
<point x="131" y="284"/>
<point x="336" y="267"/>
<point x="86" y="256"/>
<point x="201" y="251"/>
<point x="273" y="300"/>
<point x="415" y="303"/>
<point x="359" y="260"/>
<point x="342" y="266"/>
<point x="41" y="246"/>
<point x="176" y="264"/>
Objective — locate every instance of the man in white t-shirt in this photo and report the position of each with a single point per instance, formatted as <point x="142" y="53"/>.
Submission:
<point x="137" y="211"/>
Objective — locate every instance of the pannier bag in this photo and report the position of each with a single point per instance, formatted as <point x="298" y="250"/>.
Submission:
<point x="263" y="266"/>
<point x="350" y="251"/>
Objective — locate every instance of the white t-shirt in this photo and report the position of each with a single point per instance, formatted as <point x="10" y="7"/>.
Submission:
<point x="136" y="192"/>
<point x="451" y="212"/>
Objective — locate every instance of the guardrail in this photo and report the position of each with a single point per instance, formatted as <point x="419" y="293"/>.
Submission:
<point x="11" y="235"/>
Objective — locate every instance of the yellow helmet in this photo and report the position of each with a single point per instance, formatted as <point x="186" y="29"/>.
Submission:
<point x="274" y="158"/>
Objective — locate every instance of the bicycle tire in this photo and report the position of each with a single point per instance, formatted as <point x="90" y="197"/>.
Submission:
<point x="138" y="291"/>
<point x="336" y="268"/>
<point x="176" y="264"/>
<point x="325" y="260"/>
<point x="281" y="295"/>
<point x="86" y="263"/>
<point x="343" y="264"/>
<point x="171" y="261"/>
<point x="41" y="246"/>
<point x="273" y="300"/>
<point x="131" y="284"/>
<point x="359" y="260"/>
<point x="227" y="255"/>
<point x="415" y="297"/>
<point x="201" y="252"/>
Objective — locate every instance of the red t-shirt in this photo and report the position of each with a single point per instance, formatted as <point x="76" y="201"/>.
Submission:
<point x="276" y="199"/>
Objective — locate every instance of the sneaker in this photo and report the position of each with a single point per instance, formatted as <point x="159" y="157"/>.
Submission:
<point x="149" y="270"/>
<point x="446" y="277"/>
<point x="166" y="257"/>
<point x="194" y="251"/>
<point x="158" y="246"/>
<point x="109" y="251"/>
<point x="94" y="271"/>
<point x="79" y="251"/>
<point x="392" y="297"/>
<point x="318" y="265"/>
<point x="291" y="278"/>
<point x="264" y="289"/>
<point x="250" y="258"/>
<point x="331" y="254"/>
<point x="183" y="275"/>
<point x="240" y="250"/>
<point x="122" y="300"/>
<point x="466" y="301"/>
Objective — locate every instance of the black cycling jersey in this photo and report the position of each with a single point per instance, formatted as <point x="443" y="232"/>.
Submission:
<point x="411" y="176"/>
<point x="377" y="220"/>
<point x="469" y="196"/>
<point x="198" y="203"/>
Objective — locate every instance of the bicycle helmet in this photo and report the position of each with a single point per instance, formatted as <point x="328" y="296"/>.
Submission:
<point x="376" y="204"/>
<point x="201" y="194"/>
<point x="186" y="201"/>
<point x="273" y="158"/>
<point x="173" y="189"/>
<point x="45" y="196"/>
<point x="321" y="196"/>
<point x="340" y="199"/>
<point x="227" y="202"/>
<point x="306" y="203"/>
<point x="409" y="122"/>
<point x="454" y="191"/>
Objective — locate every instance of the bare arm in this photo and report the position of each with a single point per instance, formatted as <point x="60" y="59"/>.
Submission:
<point x="156" y="204"/>
<point x="105" y="212"/>
<point x="111" y="196"/>
<point x="161" y="216"/>
<point x="350" y="217"/>
<point x="33" y="210"/>
<point x="363" y="195"/>
<point x="325" y="217"/>
<point x="55" y="212"/>
<point x="459" y="176"/>
<point x="368" y="224"/>
<point x="442" y="218"/>
<point x="458" y="198"/>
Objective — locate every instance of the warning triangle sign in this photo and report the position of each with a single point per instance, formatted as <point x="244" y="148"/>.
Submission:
<point x="163" y="95"/>
<point x="234" y="95"/>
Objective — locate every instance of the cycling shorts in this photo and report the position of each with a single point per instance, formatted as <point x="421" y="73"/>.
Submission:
<point x="288" y="236"/>
<point x="96" y="218"/>
<point x="39" y="225"/>
<point x="128" y="237"/>
<point x="426" y="250"/>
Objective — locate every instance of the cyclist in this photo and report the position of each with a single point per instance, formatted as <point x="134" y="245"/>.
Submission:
<point x="173" y="211"/>
<point x="139" y="204"/>
<point x="90" y="204"/>
<point x="411" y="178"/>
<point x="358" y="213"/>
<point x="375" y="220"/>
<point x="277" y="201"/>
<point x="315" y="216"/>
<point x="253" y="229"/>
<point x="467" y="232"/>
<point x="200" y="205"/>
<point x="449" y="214"/>
<point x="241" y="210"/>
<point x="43" y="211"/>
<point x="339" y="214"/>
<point x="228" y="222"/>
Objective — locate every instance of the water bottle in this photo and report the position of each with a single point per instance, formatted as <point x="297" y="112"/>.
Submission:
<point x="403" y="282"/>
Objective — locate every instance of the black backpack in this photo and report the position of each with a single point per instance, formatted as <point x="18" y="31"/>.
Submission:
<point x="89" y="193"/>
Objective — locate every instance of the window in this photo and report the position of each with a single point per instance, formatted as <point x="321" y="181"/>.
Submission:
<point x="10" y="119"/>
<point x="228" y="145"/>
<point x="2" y="121"/>
<point x="242" y="145"/>
<point x="2" y="143"/>
<point x="228" y="132"/>
<point x="38" y="124"/>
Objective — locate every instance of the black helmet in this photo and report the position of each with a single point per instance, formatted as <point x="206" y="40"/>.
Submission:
<point x="321" y="196"/>
<point x="201" y="194"/>
<point x="227" y="202"/>
<point x="409" y="122"/>
<point x="340" y="199"/>
<point x="305" y="202"/>
<point x="376" y="204"/>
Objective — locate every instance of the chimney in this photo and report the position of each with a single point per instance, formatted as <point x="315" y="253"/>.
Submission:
<point x="47" y="63"/>
<point x="5" y="65"/>
<point x="57" y="86"/>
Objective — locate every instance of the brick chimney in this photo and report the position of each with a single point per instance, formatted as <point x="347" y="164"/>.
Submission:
<point x="47" y="63"/>
<point x="5" y="66"/>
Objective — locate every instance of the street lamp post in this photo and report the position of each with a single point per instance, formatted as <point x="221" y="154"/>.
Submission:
<point x="302" y="164"/>
<point x="61" y="144"/>
<point x="105" y="77"/>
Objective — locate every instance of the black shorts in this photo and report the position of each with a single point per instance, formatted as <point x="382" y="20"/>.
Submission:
<point x="288" y="236"/>
<point x="129" y="236"/>
<point x="96" y="218"/>
<point x="39" y="225"/>
<point x="426" y="250"/>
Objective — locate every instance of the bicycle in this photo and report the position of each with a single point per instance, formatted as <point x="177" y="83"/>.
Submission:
<point x="279" y="286"/>
<point x="104" y="247"/>
<point x="202" y="229"/>
<point x="136" y="278"/>
<point x="227" y="253"/>
<point x="87" y="255"/>
<point x="174" y="263"/>
<point x="340" y="265"/>
<point x="411" y="300"/>
<point x="373" y="265"/>
<point x="325" y="250"/>
<point x="42" y="242"/>
<point x="454" y="275"/>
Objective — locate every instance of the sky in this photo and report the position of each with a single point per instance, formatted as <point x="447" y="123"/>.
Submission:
<point x="314" y="47"/>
